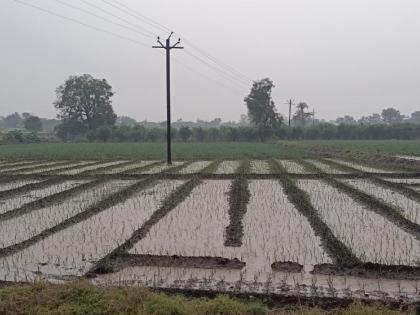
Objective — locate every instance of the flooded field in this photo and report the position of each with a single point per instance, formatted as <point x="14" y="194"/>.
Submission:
<point x="312" y="227"/>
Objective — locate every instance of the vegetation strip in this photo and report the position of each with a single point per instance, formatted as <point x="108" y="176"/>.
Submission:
<point x="25" y="188"/>
<point x="100" y="206"/>
<point x="338" y="252"/>
<point x="49" y="200"/>
<point x="170" y="202"/>
<point x="239" y="196"/>
<point x="130" y="260"/>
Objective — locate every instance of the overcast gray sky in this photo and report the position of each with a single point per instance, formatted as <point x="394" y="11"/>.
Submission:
<point x="340" y="56"/>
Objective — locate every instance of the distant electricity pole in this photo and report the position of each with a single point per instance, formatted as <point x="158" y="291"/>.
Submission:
<point x="290" y="102"/>
<point x="313" y="116"/>
<point x="168" y="48"/>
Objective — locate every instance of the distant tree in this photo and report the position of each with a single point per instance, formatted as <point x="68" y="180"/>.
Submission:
<point x="302" y="115"/>
<point x="415" y="117"/>
<point x="103" y="133"/>
<point x="198" y="134"/>
<point x="373" y="119"/>
<point x="261" y="109"/>
<point x="33" y="123"/>
<point x="185" y="133"/>
<point x="13" y="121"/>
<point x="125" y="121"/>
<point x="391" y="116"/>
<point x="86" y="100"/>
<point x="346" y="120"/>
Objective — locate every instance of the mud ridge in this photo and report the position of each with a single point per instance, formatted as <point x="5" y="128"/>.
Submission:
<point x="409" y="193"/>
<point x="100" y="206"/>
<point x="36" y="167"/>
<point x="370" y="270"/>
<point x="142" y="168"/>
<point x="70" y="168"/>
<point x="49" y="200"/>
<point x="286" y="266"/>
<point x="32" y="186"/>
<point x="239" y="196"/>
<point x="176" y="197"/>
<point x="338" y="252"/>
<point x="130" y="260"/>
<point x="377" y="206"/>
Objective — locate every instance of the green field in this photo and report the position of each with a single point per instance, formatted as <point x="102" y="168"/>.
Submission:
<point x="193" y="151"/>
<point x="188" y="151"/>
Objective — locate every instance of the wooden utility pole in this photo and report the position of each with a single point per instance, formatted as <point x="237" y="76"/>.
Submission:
<point x="313" y="116"/>
<point x="168" y="48"/>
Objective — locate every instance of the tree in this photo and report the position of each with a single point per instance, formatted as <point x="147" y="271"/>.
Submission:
<point x="125" y="121"/>
<point x="86" y="100"/>
<point x="415" y="117"/>
<point x="33" y="123"/>
<point x="13" y="121"/>
<point x="185" y="133"/>
<point x="346" y="120"/>
<point x="70" y="130"/>
<point x="261" y="109"/>
<point x="301" y="115"/>
<point x="391" y="116"/>
<point x="373" y="119"/>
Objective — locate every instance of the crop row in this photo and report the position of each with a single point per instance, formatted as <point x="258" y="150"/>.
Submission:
<point x="66" y="228"/>
<point x="328" y="166"/>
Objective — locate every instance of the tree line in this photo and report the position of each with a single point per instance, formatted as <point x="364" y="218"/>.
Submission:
<point x="85" y="113"/>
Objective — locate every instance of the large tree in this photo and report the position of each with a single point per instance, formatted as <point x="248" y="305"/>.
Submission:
<point x="391" y="116"/>
<point x="87" y="100"/>
<point x="302" y="115"/>
<point x="261" y="109"/>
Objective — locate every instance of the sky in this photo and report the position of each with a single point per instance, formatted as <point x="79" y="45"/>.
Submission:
<point x="341" y="57"/>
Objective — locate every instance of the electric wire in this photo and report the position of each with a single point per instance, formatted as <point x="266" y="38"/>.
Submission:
<point x="102" y="18"/>
<point x="81" y="23"/>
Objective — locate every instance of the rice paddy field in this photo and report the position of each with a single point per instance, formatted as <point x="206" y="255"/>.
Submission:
<point x="294" y="224"/>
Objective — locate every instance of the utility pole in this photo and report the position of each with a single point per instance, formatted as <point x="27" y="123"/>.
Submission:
<point x="168" y="48"/>
<point x="290" y="102"/>
<point x="313" y="116"/>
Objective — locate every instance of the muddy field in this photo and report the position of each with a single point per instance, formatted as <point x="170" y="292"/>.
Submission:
<point x="325" y="227"/>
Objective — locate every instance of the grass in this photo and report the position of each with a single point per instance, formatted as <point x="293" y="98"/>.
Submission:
<point x="83" y="298"/>
<point x="189" y="151"/>
<point x="392" y="147"/>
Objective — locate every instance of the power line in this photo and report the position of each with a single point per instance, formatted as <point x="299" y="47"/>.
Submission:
<point x="224" y="74"/>
<point x="150" y="21"/>
<point x="226" y="68"/>
<point x="81" y="23"/>
<point x="185" y="66"/>
<point x="215" y="60"/>
<point x="119" y="18"/>
<point x="102" y="18"/>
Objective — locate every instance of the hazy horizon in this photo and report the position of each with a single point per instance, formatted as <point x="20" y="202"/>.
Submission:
<point x="341" y="57"/>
